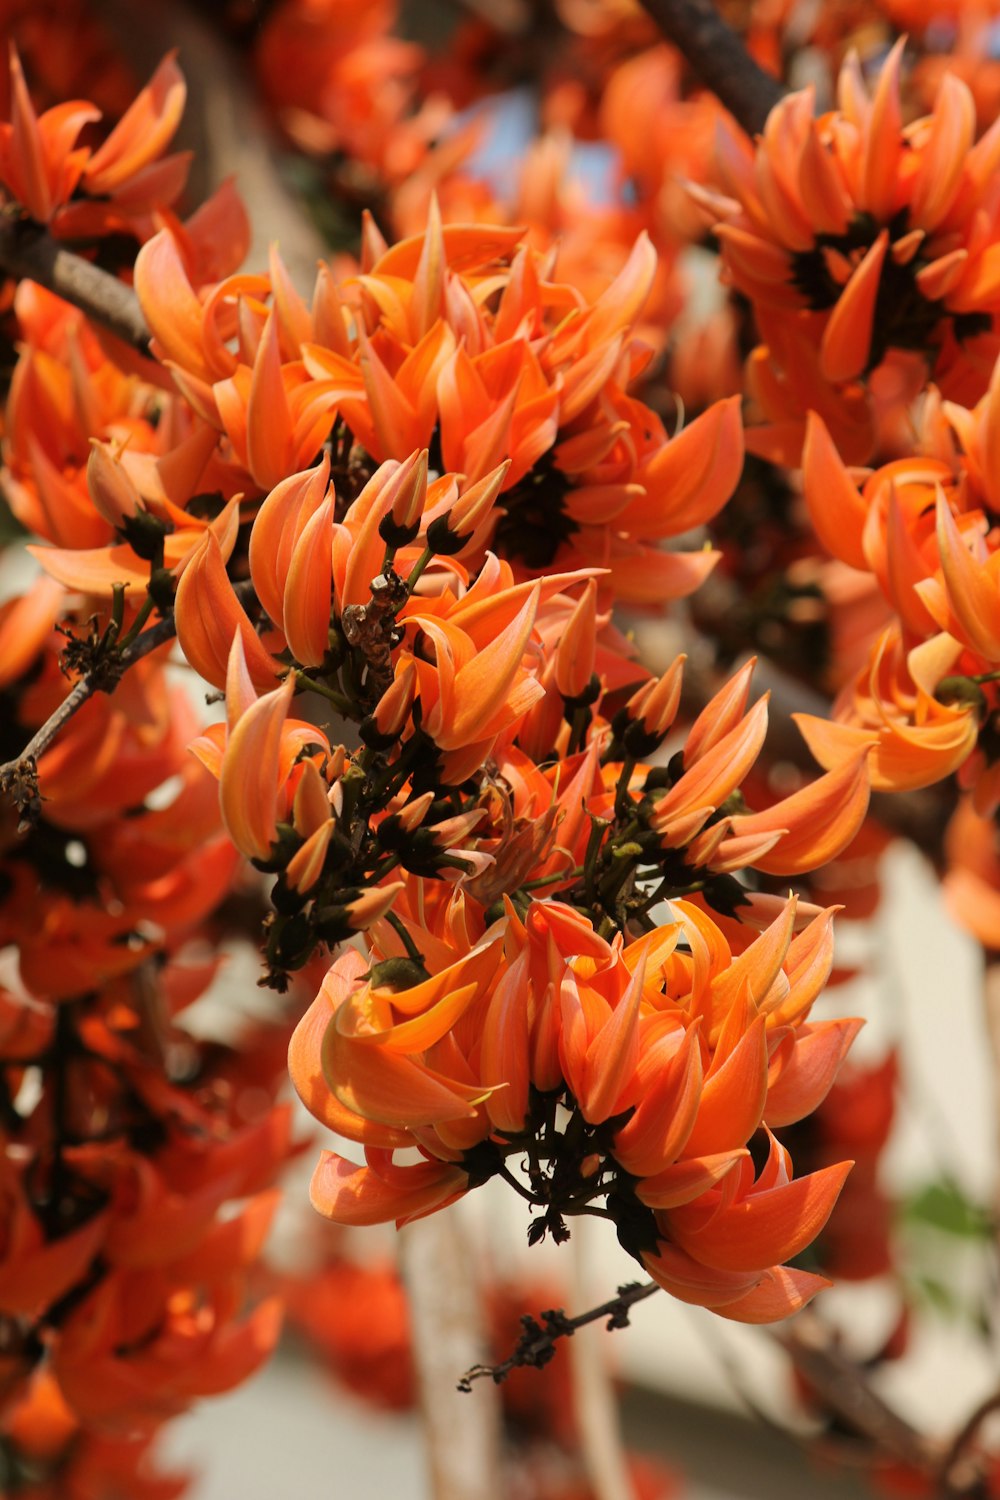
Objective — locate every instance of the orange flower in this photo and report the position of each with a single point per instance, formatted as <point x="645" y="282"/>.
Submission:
<point x="341" y="82"/>
<point x="657" y="1050"/>
<point x="873" y="235"/>
<point x="127" y="177"/>
<point x="915" y="739"/>
<point x="411" y="350"/>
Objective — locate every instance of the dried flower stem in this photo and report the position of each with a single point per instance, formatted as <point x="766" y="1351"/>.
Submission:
<point x="28" y="251"/>
<point x="537" y="1343"/>
<point x="720" y="59"/>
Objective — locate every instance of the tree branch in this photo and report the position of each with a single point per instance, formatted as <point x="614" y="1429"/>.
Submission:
<point x="843" y="1388"/>
<point x="26" y="250"/>
<point x="719" y="58"/>
<point x="447" y="1315"/>
<point x="959" y="1467"/>
<point x="595" y="1402"/>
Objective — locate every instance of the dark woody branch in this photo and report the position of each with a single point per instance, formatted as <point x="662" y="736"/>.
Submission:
<point x="27" y="250"/>
<point x="719" y="58"/>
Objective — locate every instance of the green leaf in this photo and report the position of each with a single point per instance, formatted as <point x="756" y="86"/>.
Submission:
<point x="944" y="1206"/>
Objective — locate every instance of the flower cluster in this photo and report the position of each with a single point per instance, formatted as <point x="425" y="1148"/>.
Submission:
<point x="80" y="193"/>
<point x="457" y="340"/>
<point x="630" y="1078"/>
<point x="390" y="522"/>
<point x="854" y="235"/>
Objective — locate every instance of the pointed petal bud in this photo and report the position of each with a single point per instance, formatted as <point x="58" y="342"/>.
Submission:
<point x="575" y="652"/>
<point x="373" y="244"/>
<point x="846" y="349"/>
<point x="311" y="805"/>
<point x="720" y="715"/>
<point x="248" y="785"/>
<point x="111" y="489"/>
<point x="208" y="614"/>
<point x="654" y="706"/>
<point x="372" y="905"/>
<point x="408" y="489"/>
<point x="306" y="864"/>
<point x="412" y="815"/>
<point x="384" y="727"/>
<point x="308" y="592"/>
<point x="449" y="533"/>
<point x="836" y="508"/>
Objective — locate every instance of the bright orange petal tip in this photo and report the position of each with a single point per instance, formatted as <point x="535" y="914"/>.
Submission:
<point x="372" y="905"/>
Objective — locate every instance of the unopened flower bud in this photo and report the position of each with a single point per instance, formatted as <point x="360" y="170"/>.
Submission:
<point x="577" y="646"/>
<point x="453" y="832"/>
<point x="306" y="864"/>
<point x="336" y="765"/>
<point x="383" y="728"/>
<point x="112" y="490"/>
<point x="311" y="807"/>
<point x="651" y="710"/>
<point x="413" y="814"/>
<point x="371" y="905"/>
<point x="449" y="533"/>
<point x="408" y="488"/>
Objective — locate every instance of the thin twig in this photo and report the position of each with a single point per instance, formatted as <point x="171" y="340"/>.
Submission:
<point x="958" y="1448"/>
<point x="537" y="1344"/>
<point x="18" y="777"/>
<point x="719" y="58"/>
<point x="26" y="250"/>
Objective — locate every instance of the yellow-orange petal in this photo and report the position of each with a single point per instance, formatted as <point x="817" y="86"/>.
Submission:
<point x="658" y="1128"/>
<point x="780" y="1293"/>
<point x="763" y="1228"/>
<point x="389" y="1089"/>
<point x="143" y="132"/>
<point x="169" y="304"/>
<point x="805" y="1078"/>
<point x="305" y="1068"/>
<point x="732" y="1099"/>
<point x="684" y="1181"/>
<point x="308" y="592"/>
